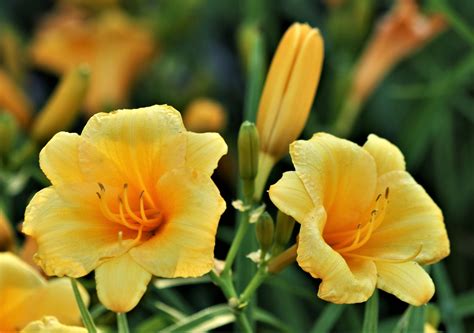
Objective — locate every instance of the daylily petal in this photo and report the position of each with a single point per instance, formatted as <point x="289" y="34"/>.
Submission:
<point x="291" y="197"/>
<point x="412" y="220"/>
<point x="56" y="298"/>
<point x="343" y="280"/>
<point x="408" y="281"/>
<point x="59" y="159"/>
<point x="338" y="174"/>
<point x="203" y="151"/>
<point x="50" y="324"/>
<point x="184" y="244"/>
<point x="387" y="156"/>
<point x="121" y="283"/>
<point x="17" y="280"/>
<point x="133" y="146"/>
<point x="72" y="235"/>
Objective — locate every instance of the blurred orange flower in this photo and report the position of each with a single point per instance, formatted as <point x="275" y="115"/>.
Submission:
<point x="131" y="197"/>
<point x="404" y="30"/>
<point x="14" y="101"/>
<point x="365" y="222"/>
<point x="26" y="296"/>
<point x="113" y="45"/>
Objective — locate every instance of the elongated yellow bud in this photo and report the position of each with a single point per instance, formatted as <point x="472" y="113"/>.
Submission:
<point x="288" y="94"/>
<point x="283" y="231"/>
<point x="14" y="101"/>
<point x="63" y="107"/>
<point x="264" y="230"/>
<point x="248" y="144"/>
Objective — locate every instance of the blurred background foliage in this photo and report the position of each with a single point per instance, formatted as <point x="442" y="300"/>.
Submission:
<point x="213" y="55"/>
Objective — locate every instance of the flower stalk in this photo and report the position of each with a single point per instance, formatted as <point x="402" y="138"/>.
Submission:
<point x="85" y="314"/>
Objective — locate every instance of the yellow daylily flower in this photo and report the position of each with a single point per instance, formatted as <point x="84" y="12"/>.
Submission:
<point x="49" y="324"/>
<point x="365" y="222"/>
<point x="26" y="296"/>
<point x="114" y="46"/>
<point x="288" y="94"/>
<point x="131" y="197"/>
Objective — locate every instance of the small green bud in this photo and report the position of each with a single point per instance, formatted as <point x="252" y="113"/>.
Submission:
<point x="264" y="230"/>
<point x="432" y="315"/>
<point x="248" y="146"/>
<point x="8" y="131"/>
<point x="284" y="230"/>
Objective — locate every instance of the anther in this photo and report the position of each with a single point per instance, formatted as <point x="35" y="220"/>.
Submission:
<point x="102" y="187"/>
<point x="387" y="191"/>
<point x="378" y="197"/>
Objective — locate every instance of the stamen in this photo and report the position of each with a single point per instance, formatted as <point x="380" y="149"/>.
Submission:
<point x="120" y="238"/>
<point x="388" y="260"/>
<point x="387" y="191"/>
<point x="123" y="220"/>
<point x="349" y="241"/>
<point x="142" y="207"/>
<point x="105" y="209"/>
<point x="127" y="205"/>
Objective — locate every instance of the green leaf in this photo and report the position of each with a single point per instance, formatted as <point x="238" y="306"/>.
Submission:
<point x="465" y="304"/>
<point x="446" y="299"/>
<point x="204" y="320"/>
<point x="371" y="314"/>
<point x="170" y="283"/>
<point x="328" y="318"/>
<point x="269" y="319"/>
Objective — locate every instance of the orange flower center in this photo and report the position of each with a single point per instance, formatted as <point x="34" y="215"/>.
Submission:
<point x="348" y="242"/>
<point x="141" y="219"/>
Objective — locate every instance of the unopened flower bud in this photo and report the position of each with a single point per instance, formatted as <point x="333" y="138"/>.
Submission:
<point x="14" y="101"/>
<point x="288" y="95"/>
<point x="264" y="230"/>
<point x="63" y="107"/>
<point x="8" y="130"/>
<point x="204" y="115"/>
<point x="283" y="231"/>
<point x="248" y="143"/>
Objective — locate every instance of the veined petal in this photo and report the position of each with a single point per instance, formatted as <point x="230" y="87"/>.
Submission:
<point x="73" y="236"/>
<point x="343" y="280"/>
<point x="17" y="281"/>
<point x="408" y="281"/>
<point x="56" y="298"/>
<point x="59" y="159"/>
<point x="338" y="174"/>
<point x="203" y="151"/>
<point x="121" y="283"/>
<point x="184" y="244"/>
<point x="291" y="197"/>
<point x="133" y="146"/>
<point x="411" y="220"/>
<point x="387" y="156"/>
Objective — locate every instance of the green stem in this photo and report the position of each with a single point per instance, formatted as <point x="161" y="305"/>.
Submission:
<point x="226" y="285"/>
<point x="234" y="247"/>
<point x="253" y="285"/>
<point x="122" y="322"/>
<point x="244" y="322"/>
<point x="371" y="314"/>
<point x="85" y="315"/>
<point x="347" y="117"/>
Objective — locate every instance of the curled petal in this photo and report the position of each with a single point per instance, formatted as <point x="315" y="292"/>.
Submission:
<point x="408" y="281"/>
<point x="121" y="283"/>
<point x="204" y="150"/>
<point x="132" y="146"/>
<point x="59" y="159"/>
<point x="387" y="156"/>
<point x="338" y="175"/>
<point x="72" y="235"/>
<point x="291" y="197"/>
<point x="184" y="244"/>
<point x="343" y="280"/>
<point x="412" y="220"/>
